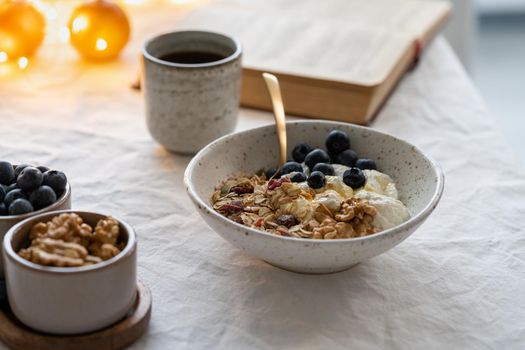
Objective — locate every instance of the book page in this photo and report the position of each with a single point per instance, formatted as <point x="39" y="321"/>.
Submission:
<point x="343" y="44"/>
<point x="413" y="16"/>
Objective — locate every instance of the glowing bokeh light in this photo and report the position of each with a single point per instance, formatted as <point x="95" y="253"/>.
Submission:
<point x="79" y="24"/>
<point x="64" y="34"/>
<point x="101" y="44"/>
<point x="23" y="62"/>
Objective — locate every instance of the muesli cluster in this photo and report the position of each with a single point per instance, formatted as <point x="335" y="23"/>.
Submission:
<point x="66" y="241"/>
<point x="285" y="208"/>
<point x="319" y="195"/>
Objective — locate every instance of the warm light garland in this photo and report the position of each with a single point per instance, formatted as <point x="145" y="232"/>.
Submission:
<point x="97" y="29"/>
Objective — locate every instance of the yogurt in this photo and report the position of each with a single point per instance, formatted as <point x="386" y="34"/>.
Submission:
<point x="390" y="211"/>
<point x="380" y="191"/>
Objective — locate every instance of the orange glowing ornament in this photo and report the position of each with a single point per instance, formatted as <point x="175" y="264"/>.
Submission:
<point x="22" y="29"/>
<point x="99" y="30"/>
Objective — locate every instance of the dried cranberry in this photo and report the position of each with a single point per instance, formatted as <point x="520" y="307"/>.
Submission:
<point x="232" y="207"/>
<point x="242" y="189"/>
<point x="273" y="183"/>
<point x="259" y="222"/>
<point x="287" y="220"/>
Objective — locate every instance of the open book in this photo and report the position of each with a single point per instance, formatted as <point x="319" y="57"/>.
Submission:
<point x="335" y="59"/>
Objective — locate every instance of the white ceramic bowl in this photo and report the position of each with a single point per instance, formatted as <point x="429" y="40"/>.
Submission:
<point x="6" y="222"/>
<point x="419" y="181"/>
<point x="69" y="300"/>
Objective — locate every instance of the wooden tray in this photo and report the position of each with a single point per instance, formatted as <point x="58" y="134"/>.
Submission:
<point x="122" y="334"/>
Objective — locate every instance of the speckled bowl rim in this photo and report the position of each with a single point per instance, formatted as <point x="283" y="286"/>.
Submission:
<point x="413" y="221"/>
<point x="233" y="57"/>
<point x="61" y="200"/>
<point x="129" y="249"/>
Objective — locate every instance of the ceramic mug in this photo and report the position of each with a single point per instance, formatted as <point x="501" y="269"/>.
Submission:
<point x="191" y="101"/>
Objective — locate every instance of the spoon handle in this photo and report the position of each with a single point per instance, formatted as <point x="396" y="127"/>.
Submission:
<point x="278" y="110"/>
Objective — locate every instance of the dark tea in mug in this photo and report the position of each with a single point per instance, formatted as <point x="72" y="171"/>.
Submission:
<point x="191" y="57"/>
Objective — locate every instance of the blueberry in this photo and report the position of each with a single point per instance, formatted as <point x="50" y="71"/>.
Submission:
<point x="3" y="209"/>
<point x="19" y="168"/>
<point x="11" y="187"/>
<point x="291" y="167"/>
<point x="7" y="173"/>
<point x="13" y="195"/>
<point x="2" y="193"/>
<point x="42" y="168"/>
<point x="269" y="173"/>
<point x="42" y="197"/>
<point x="325" y="168"/>
<point x="29" y="179"/>
<point x="347" y="157"/>
<point x="57" y="180"/>
<point x="354" y="177"/>
<point x="316" y="179"/>
<point x="298" y="177"/>
<point x="337" y="141"/>
<point x="300" y="151"/>
<point x="20" y="206"/>
<point x="316" y="156"/>
<point x="365" y="163"/>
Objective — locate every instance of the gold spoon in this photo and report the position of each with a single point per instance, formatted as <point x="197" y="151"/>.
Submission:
<point x="272" y="83"/>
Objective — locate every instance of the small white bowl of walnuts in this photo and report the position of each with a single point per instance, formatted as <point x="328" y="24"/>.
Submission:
<point x="70" y="272"/>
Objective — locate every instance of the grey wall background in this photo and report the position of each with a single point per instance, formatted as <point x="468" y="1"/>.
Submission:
<point x="489" y="38"/>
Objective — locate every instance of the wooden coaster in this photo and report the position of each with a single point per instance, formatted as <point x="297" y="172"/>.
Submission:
<point x="122" y="334"/>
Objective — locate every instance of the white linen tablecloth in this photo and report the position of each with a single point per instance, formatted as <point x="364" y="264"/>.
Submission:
<point x="457" y="283"/>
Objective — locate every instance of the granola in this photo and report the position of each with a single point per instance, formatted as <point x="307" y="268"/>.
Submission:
<point x="284" y="208"/>
<point x="319" y="194"/>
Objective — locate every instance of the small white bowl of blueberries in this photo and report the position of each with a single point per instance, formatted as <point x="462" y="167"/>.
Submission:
<point x="27" y="190"/>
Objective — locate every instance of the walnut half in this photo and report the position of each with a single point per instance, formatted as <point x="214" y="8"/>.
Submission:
<point x="55" y="252"/>
<point x="66" y="241"/>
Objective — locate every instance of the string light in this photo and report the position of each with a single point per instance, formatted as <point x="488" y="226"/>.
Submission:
<point x="23" y="29"/>
<point x="99" y="29"/>
<point x="79" y="24"/>
<point x="101" y="44"/>
<point x="23" y="62"/>
<point x="3" y="57"/>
